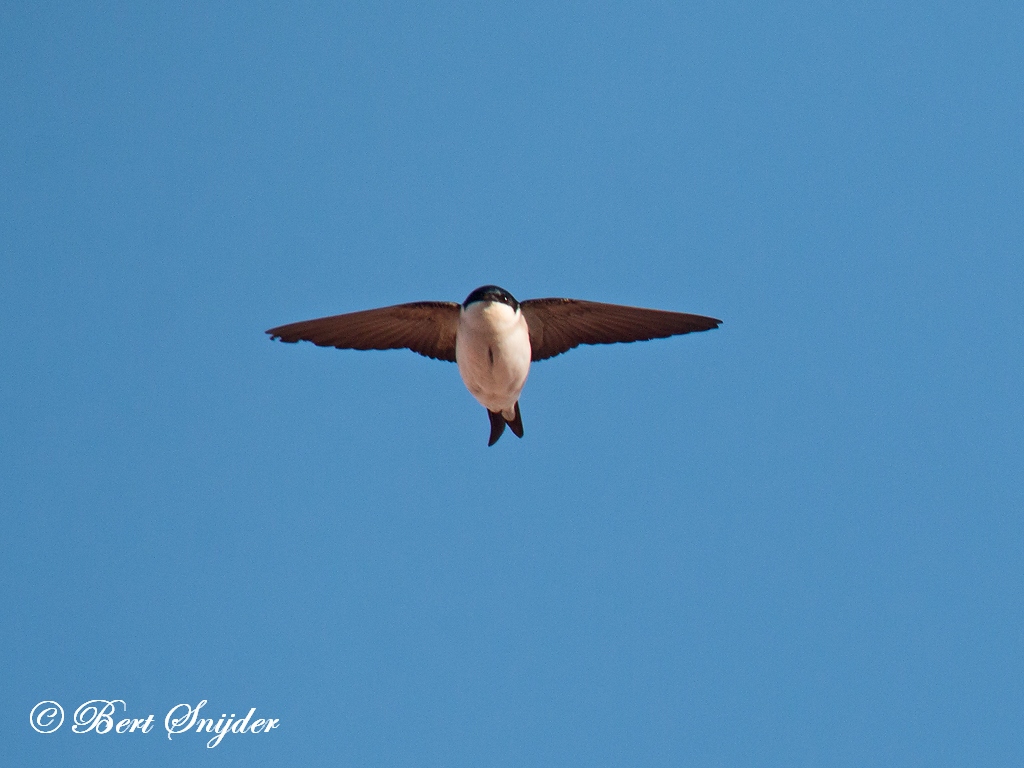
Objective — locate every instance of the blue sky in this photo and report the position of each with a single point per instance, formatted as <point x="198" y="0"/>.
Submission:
<point x="796" y="540"/>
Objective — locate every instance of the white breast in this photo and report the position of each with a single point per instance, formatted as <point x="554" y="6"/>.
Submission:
<point x="492" y="348"/>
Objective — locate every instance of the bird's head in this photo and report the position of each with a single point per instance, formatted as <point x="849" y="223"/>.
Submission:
<point x="491" y="293"/>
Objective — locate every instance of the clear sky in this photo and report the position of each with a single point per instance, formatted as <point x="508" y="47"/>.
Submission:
<point x="795" y="540"/>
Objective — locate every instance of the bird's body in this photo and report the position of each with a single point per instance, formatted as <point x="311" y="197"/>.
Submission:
<point x="493" y="338"/>
<point x="492" y="348"/>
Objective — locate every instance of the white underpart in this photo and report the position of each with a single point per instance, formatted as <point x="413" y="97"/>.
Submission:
<point x="492" y="348"/>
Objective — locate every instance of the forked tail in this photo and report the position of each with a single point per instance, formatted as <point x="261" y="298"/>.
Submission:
<point x="498" y="423"/>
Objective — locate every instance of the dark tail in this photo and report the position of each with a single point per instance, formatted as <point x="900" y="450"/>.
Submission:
<point x="517" y="423"/>
<point x="498" y="425"/>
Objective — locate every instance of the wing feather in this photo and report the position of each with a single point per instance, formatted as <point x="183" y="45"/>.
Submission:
<point x="558" y="325"/>
<point x="426" y="327"/>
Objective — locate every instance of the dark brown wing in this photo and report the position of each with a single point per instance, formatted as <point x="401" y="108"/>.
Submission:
<point x="426" y="327"/>
<point x="558" y="325"/>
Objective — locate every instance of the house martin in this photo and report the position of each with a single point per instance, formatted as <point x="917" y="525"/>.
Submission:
<point x="492" y="337"/>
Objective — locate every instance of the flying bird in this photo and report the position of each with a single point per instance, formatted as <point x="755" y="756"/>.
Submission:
<point x="492" y="337"/>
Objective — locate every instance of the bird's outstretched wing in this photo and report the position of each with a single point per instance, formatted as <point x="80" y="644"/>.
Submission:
<point x="558" y="325"/>
<point x="426" y="327"/>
